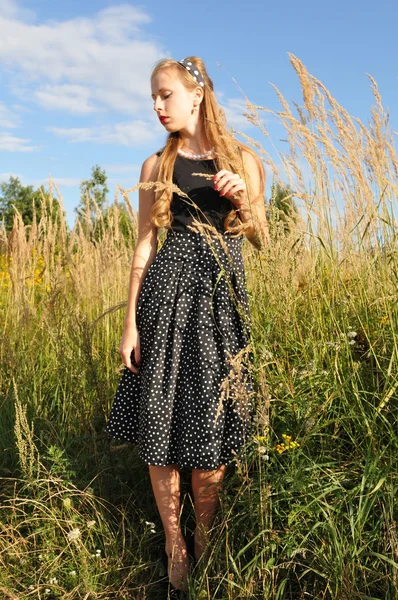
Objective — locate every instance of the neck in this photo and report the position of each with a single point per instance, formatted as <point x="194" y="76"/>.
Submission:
<point x="195" y="143"/>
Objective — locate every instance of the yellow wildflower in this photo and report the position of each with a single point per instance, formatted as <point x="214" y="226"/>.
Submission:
<point x="287" y="444"/>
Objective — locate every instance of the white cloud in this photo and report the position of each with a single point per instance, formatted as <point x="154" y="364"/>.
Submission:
<point x="68" y="98"/>
<point x="37" y="182"/>
<point x="234" y="109"/>
<point x="66" y="181"/>
<point x="127" y="133"/>
<point x="81" y="64"/>
<point x="59" y="181"/>
<point x="21" y="108"/>
<point x="6" y="176"/>
<point x="8" y="119"/>
<point x="118" y="22"/>
<point x="122" y="169"/>
<point x="86" y="66"/>
<point x="11" y="10"/>
<point x="11" y="143"/>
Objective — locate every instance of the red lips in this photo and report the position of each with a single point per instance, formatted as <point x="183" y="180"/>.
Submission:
<point x="163" y="119"/>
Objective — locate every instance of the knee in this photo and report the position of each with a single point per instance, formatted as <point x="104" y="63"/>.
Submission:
<point x="163" y="468"/>
<point x="207" y="483"/>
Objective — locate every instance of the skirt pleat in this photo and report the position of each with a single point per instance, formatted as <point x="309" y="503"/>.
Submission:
<point x="191" y="403"/>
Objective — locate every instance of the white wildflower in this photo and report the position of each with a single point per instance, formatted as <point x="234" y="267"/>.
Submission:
<point x="262" y="449"/>
<point x="72" y="573"/>
<point x="352" y="334"/>
<point x="90" y="524"/>
<point x="267" y="355"/>
<point x="352" y="342"/>
<point x="334" y="345"/>
<point x="265" y="457"/>
<point x="304" y="373"/>
<point x="74" y="534"/>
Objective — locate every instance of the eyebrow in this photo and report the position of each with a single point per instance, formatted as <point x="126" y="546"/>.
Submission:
<point x="161" y="90"/>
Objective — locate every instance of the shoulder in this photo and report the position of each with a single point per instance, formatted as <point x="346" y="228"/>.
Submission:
<point x="254" y="168"/>
<point x="251" y="159"/>
<point x="149" y="167"/>
<point x="253" y="165"/>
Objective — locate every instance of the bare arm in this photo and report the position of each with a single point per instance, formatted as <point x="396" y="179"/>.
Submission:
<point x="144" y="253"/>
<point x="254" y="211"/>
<point x="146" y="248"/>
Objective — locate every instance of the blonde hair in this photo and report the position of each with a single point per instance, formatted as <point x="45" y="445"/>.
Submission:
<point x="228" y="149"/>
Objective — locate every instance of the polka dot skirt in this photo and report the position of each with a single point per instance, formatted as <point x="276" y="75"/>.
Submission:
<point x="191" y="403"/>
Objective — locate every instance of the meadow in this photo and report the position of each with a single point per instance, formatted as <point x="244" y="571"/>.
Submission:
<point x="311" y="511"/>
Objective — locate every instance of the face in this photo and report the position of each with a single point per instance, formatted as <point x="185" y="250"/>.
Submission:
<point x="172" y="100"/>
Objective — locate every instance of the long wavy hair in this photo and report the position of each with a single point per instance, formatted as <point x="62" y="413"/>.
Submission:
<point x="227" y="148"/>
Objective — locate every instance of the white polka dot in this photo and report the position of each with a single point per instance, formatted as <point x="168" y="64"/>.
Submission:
<point x="188" y="325"/>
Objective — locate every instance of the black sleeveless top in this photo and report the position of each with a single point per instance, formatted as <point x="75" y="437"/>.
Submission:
<point x="204" y="203"/>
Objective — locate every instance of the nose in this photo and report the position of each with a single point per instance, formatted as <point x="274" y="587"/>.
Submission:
<point x="157" y="105"/>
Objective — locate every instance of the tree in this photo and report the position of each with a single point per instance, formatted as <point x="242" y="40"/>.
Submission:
<point x="93" y="194"/>
<point x="282" y="205"/>
<point x="25" y="199"/>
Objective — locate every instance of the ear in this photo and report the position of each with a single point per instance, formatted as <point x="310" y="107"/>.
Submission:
<point x="198" y="94"/>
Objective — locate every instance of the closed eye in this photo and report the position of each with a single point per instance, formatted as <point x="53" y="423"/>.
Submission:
<point x="164" y="97"/>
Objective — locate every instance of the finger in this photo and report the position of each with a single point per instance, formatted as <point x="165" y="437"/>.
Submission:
<point x="238" y="190"/>
<point x="134" y="357"/>
<point x="127" y="361"/>
<point x="137" y="354"/>
<point x="229" y="178"/>
<point x="222" y="174"/>
<point x="232" y="188"/>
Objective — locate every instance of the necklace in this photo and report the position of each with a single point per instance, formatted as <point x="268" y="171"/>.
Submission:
<point x="196" y="156"/>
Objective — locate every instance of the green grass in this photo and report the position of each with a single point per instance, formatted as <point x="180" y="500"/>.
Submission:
<point x="313" y="515"/>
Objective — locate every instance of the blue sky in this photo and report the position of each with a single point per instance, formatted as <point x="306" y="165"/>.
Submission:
<point x="74" y="77"/>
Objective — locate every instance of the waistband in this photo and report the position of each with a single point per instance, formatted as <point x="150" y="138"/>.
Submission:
<point x="200" y="238"/>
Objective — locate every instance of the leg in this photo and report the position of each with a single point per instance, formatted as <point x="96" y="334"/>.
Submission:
<point x="205" y="487"/>
<point x="166" y="488"/>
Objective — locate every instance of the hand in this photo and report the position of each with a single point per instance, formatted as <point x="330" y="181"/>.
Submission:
<point x="130" y="342"/>
<point x="232" y="186"/>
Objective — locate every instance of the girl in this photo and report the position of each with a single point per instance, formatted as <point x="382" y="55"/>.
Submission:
<point x="187" y="315"/>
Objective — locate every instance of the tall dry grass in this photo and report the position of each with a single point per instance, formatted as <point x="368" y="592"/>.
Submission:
<point x="310" y="512"/>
